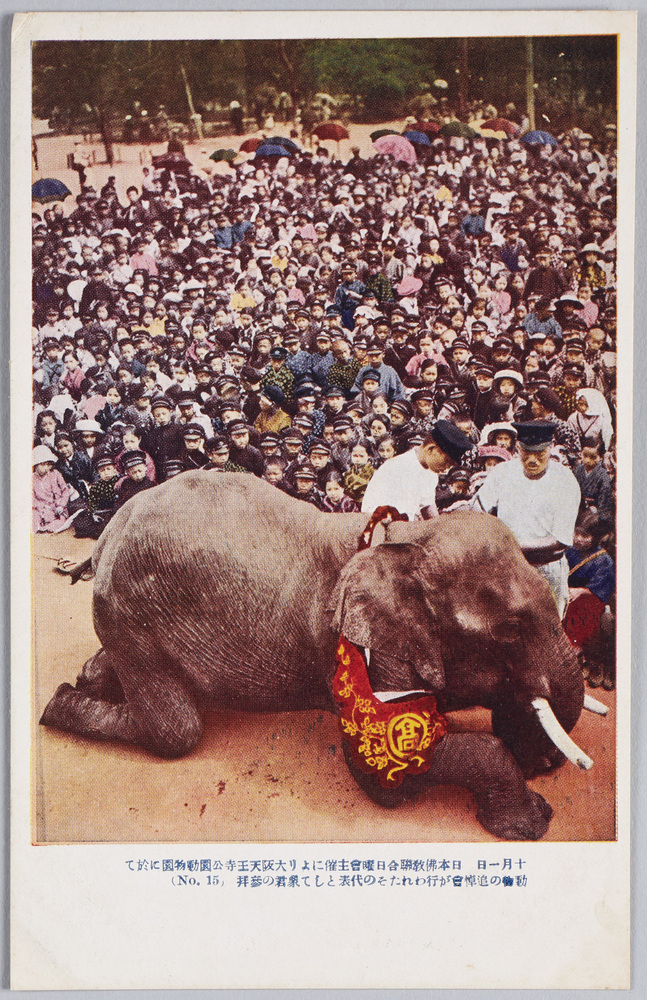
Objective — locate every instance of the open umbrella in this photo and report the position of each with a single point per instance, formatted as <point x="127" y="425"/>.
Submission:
<point x="382" y="131"/>
<point x="49" y="189"/>
<point x="330" y="130"/>
<point x="398" y="147"/>
<point x="172" y="161"/>
<point x="460" y="130"/>
<point x="417" y="138"/>
<point x="409" y="286"/>
<point x="269" y="149"/>
<point x="489" y="133"/>
<point x="279" y="140"/>
<point x="539" y="138"/>
<point x="251" y="145"/>
<point x="501" y="125"/>
<point x="226" y="155"/>
<point x="429" y="128"/>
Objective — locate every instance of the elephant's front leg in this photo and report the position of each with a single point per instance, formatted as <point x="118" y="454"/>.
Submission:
<point x="481" y="763"/>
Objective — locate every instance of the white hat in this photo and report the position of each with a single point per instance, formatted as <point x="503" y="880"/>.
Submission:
<point x="42" y="453"/>
<point x="88" y="425"/>
<point x="509" y="373"/>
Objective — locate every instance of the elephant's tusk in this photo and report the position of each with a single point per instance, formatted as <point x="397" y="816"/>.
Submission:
<point x="559" y="736"/>
<point x="593" y="705"/>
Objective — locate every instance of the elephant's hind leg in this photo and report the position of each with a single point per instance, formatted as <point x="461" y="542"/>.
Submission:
<point x="158" y="713"/>
<point x="98" y="679"/>
<point x="76" y="712"/>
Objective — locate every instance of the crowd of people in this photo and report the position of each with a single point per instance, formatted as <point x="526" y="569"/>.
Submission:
<point x="306" y="320"/>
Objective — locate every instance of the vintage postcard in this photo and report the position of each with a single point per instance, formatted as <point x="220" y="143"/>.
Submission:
<point x="321" y="494"/>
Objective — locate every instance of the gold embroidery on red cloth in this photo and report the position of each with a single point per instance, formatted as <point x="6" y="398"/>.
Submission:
<point x="389" y="739"/>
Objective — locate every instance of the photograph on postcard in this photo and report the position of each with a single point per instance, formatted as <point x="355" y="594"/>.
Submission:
<point x="325" y="439"/>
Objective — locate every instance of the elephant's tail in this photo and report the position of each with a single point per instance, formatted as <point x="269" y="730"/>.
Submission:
<point x="82" y="572"/>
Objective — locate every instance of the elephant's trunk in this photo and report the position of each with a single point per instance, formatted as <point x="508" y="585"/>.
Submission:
<point x="547" y="672"/>
<point x="552" y="671"/>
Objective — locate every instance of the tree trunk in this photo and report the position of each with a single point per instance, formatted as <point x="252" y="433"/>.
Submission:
<point x="463" y="80"/>
<point x="530" y="84"/>
<point x="105" y="129"/>
<point x="292" y="82"/>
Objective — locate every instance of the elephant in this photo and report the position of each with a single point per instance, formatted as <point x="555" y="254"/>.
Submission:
<point x="218" y="589"/>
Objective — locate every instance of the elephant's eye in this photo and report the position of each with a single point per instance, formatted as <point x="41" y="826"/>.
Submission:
<point x="507" y="631"/>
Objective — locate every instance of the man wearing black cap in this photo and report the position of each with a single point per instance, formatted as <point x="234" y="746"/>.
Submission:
<point x="278" y="373"/>
<point x="298" y="361"/>
<point x="193" y="455"/>
<point x="134" y="465"/>
<point x="408" y="482"/>
<point x="539" y="501"/>
<point x="400" y="351"/>
<point x="241" y="452"/>
<point x="322" y="359"/>
<point x="389" y="380"/>
<point x="349" y="293"/>
<point x="543" y="279"/>
<point x="392" y="268"/>
<point x="165" y="440"/>
<point x="376" y="281"/>
<point x="480" y="394"/>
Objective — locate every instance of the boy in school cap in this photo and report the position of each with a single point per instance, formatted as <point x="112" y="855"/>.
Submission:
<point x="134" y="466"/>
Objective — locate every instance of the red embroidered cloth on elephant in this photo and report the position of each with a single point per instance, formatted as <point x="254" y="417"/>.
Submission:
<point x="386" y="739"/>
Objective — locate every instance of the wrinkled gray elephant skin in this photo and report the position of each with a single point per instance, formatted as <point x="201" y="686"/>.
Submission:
<point x="217" y="588"/>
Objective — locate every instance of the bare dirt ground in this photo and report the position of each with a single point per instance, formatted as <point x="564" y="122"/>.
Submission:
<point x="254" y="777"/>
<point x="129" y="159"/>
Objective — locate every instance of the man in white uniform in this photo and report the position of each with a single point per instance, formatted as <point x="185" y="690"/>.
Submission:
<point x="408" y="482"/>
<point x="539" y="500"/>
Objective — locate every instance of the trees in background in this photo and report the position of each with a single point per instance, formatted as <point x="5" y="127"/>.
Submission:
<point x="93" y="86"/>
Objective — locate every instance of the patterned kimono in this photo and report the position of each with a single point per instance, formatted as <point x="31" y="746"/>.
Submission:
<point x="49" y="502"/>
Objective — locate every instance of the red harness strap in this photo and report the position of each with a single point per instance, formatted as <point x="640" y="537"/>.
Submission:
<point x="386" y="739"/>
<point x="380" y="515"/>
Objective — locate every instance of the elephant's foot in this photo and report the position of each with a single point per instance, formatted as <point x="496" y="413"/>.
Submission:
<point x="509" y="819"/>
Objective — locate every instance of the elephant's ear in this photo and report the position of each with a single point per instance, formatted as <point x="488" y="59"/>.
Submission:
<point x="381" y="601"/>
